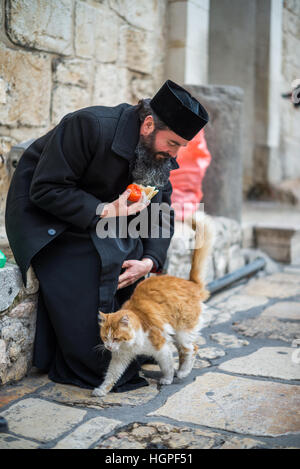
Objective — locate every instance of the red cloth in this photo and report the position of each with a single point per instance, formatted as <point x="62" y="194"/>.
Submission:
<point x="193" y="160"/>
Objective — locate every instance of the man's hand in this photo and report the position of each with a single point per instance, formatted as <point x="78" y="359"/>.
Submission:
<point x="134" y="271"/>
<point x="119" y="207"/>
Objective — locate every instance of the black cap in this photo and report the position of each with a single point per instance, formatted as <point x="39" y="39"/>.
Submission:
<point x="177" y="108"/>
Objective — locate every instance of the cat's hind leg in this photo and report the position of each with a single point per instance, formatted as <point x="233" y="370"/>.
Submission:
<point x="187" y="350"/>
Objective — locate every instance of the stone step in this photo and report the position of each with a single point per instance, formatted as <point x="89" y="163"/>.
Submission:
<point x="274" y="228"/>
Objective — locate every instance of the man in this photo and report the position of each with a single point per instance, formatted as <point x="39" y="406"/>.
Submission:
<point x="64" y="184"/>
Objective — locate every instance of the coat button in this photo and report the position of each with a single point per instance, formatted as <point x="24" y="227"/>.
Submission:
<point x="51" y="231"/>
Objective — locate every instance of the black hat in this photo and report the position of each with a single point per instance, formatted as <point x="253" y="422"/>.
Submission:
<point x="177" y="108"/>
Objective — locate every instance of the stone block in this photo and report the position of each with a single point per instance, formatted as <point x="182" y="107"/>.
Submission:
<point x="144" y="14"/>
<point x="14" y="442"/>
<point x="41" y="420"/>
<point x="277" y="242"/>
<point x="96" y="32"/>
<point x="10" y="285"/>
<point x="222" y="185"/>
<point x="88" y="433"/>
<point x="271" y="362"/>
<point x="136" y="51"/>
<point x="268" y="328"/>
<point x="26" y="104"/>
<point x="283" y="310"/>
<point x="41" y="25"/>
<point x="73" y="71"/>
<point x="277" y="285"/>
<point x="236" y="404"/>
<point x="67" y="99"/>
<point x="111" y="85"/>
<point x="228" y="340"/>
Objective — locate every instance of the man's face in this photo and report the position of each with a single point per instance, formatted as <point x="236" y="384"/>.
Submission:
<point x="154" y="151"/>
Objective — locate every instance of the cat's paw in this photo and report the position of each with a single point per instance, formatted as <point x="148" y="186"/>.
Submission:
<point x="98" y="392"/>
<point x="182" y="374"/>
<point x="166" y="381"/>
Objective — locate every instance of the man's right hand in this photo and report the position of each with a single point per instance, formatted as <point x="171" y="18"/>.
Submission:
<point x="120" y="207"/>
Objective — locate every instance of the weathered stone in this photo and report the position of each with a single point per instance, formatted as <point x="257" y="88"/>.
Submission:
<point x="279" y="285"/>
<point x="110" y="85"/>
<point x="83" y="397"/>
<point x="25" y="105"/>
<point x="228" y="340"/>
<point x="135" y="49"/>
<point x="213" y="316"/>
<point x="217" y="298"/>
<point x="241" y="302"/>
<point x="266" y="327"/>
<point x="67" y="99"/>
<point x="236" y="404"/>
<point x="23" y="310"/>
<point x="13" y="442"/>
<point x="210" y="353"/>
<point x="41" y="420"/>
<point x="242" y="443"/>
<point x="283" y="310"/>
<point x="272" y="362"/>
<point x="235" y="258"/>
<point x="48" y="28"/>
<point x="29" y="384"/>
<point x="87" y="434"/>
<point x="10" y="285"/>
<point x="73" y="72"/>
<point x="145" y="14"/>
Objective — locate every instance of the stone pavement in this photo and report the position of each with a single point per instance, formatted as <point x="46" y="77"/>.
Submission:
<point x="244" y="390"/>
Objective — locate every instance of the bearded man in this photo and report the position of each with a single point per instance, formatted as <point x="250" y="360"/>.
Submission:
<point x="65" y="182"/>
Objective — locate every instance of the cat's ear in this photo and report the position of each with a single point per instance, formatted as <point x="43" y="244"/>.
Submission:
<point x="125" y="320"/>
<point x="101" y="318"/>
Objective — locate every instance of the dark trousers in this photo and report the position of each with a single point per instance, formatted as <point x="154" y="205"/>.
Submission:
<point x="67" y="330"/>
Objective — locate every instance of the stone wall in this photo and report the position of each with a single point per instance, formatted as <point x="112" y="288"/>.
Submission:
<point x="290" y="116"/>
<point x="59" y="56"/>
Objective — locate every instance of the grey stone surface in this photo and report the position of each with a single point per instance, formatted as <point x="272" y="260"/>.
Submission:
<point x="210" y="353"/>
<point x="41" y="420"/>
<point x="283" y="310"/>
<point x="14" y="442"/>
<point x="87" y="433"/>
<point x="236" y="404"/>
<point x="272" y="362"/>
<point x="228" y="340"/>
<point x="266" y="327"/>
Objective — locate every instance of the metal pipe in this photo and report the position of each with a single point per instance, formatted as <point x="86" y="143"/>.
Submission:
<point x="246" y="271"/>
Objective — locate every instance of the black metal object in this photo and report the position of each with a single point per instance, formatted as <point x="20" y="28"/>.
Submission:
<point x="229" y="279"/>
<point x="3" y="425"/>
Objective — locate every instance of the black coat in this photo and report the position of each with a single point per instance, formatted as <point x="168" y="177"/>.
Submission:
<point x="63" y="176"/>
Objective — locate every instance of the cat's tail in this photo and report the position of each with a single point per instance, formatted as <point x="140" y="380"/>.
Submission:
<point x="203" y="226"/>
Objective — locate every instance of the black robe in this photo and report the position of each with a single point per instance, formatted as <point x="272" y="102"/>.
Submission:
<point x="51" y="223"/>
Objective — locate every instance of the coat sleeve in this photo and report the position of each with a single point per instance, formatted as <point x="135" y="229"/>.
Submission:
<point x="160" y="227"/>
<point x="54" y="186"/>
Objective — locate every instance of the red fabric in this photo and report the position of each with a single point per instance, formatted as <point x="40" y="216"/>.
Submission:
<point x="193" y="160"/>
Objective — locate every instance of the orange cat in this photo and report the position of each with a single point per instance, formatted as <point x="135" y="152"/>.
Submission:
<point x="162" y="309"/>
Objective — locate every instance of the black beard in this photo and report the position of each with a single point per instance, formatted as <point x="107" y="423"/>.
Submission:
<point x="149" y="170"/>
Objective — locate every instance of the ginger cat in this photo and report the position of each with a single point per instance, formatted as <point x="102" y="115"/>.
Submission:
<point x="162" y="309"/>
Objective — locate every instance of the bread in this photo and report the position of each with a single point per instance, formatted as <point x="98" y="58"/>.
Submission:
<point x="149" y="191"/>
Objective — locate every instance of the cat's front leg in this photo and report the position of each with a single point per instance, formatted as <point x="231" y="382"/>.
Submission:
<point x="166" y="363"/>
<point x="115" y="370"/>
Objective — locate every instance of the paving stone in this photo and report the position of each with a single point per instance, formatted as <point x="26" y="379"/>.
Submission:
<point x="211" y="353"/>
<point x="241" y="302"/>
<point x="267" y="327"/>
<point x="76" y="396"/>
<point x="27" y="385"/>
<point x="223" y="295"/>
<point x="236" y="404"/>
<point x="87" y="433"/>
<point x="13" y="442"/>
<point x="41" y="420"/>
<point x="283" y="310"/>
<point x="169" y="436"/>
<point x="271" y="362"/>
<point x="212" y="316"/>
<point x="228" y="340"/>
<point x="279" y="285"/>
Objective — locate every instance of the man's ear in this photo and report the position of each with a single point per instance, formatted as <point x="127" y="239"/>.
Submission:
<point x="101" y="318"/>
<point x="147" y="126"/>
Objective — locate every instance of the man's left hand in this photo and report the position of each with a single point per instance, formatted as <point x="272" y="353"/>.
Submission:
<point x="134" y="270"/>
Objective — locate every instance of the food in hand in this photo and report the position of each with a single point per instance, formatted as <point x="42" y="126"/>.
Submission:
<point x="138" y="190"/>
